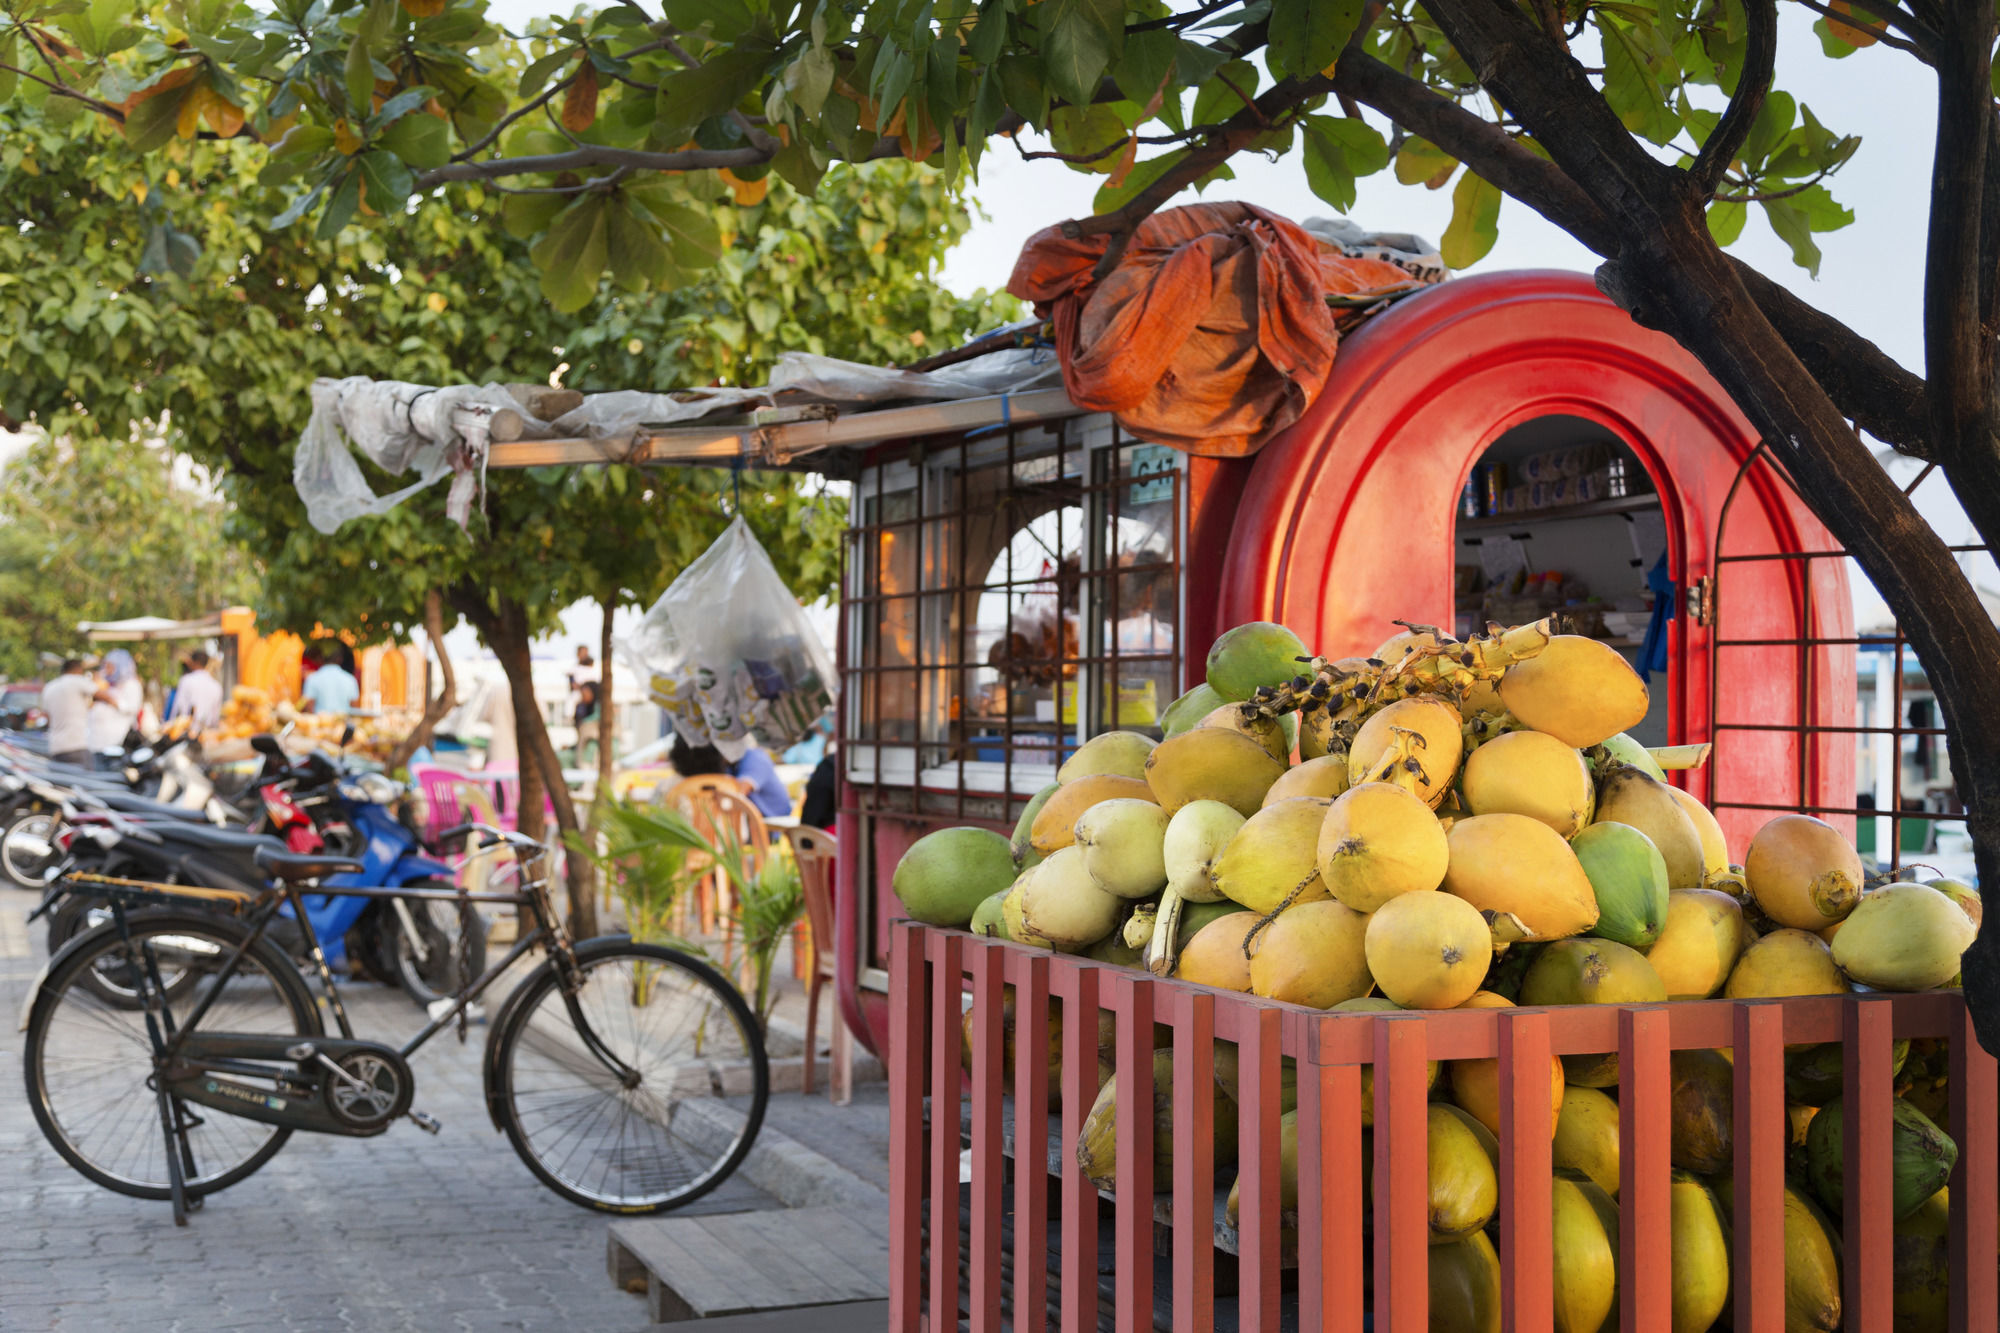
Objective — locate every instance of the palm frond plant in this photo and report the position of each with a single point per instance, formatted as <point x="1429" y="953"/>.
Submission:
<point x="768" y="904"/>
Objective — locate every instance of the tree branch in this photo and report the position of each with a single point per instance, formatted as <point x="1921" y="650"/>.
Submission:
<point x="104" y="109"/>
<point x="1760" y="56"/>
<point x="1921" y="48"/>
<point x="1958" y="351"/>
<point x="436" y="709"/>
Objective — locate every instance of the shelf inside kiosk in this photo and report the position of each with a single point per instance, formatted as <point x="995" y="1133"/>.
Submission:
<point x="1560" y="515"/>
<point x="1014" y="599"/>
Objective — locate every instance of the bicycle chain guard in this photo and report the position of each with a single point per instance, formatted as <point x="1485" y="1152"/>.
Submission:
<point x="323" y="1085"/>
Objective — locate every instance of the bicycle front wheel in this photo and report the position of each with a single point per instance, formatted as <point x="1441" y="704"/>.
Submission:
<point x="641" y="1092"/>
<point x="90" y="1062"/>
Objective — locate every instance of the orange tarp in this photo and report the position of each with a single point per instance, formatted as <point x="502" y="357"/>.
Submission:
<point x="1212" y="334"/>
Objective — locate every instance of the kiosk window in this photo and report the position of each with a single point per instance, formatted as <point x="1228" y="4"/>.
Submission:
<point x="1009" y="595"/>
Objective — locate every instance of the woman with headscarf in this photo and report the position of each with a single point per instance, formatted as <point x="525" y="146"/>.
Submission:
<point x="115" y="710"/>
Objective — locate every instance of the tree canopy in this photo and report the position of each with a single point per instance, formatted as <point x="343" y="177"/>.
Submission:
<point x="96" y="530"/>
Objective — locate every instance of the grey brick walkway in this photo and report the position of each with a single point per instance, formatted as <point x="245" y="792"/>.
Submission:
<point x="405" y="1231"/>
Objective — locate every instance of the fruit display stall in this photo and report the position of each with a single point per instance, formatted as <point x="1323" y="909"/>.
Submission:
<point x="1032" y="598"/>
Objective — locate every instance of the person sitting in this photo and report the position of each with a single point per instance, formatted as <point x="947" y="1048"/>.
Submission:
<point x="754" y="770"/>
<point x="329" y="687"/>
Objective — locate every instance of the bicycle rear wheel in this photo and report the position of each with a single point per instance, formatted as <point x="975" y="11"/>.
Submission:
<point x="651" y="1132"/>
<point x="90" y="1064"/>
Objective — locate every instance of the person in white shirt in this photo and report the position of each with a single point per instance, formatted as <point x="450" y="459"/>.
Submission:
<point x="115" y="710"/>
<point x="66" y="700"/>
<point x="199" y="695"/>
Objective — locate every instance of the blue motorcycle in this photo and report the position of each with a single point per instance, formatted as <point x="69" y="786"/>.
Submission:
<point x="420" y="944"/>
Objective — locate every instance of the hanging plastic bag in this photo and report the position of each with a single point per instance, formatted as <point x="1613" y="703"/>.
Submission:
<point x="728" y="649"/>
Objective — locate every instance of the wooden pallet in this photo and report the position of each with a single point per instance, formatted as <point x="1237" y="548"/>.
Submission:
<point x="742" y="1263"/>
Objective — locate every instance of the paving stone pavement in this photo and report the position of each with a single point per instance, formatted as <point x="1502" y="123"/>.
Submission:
<point x="400" y="1232"/>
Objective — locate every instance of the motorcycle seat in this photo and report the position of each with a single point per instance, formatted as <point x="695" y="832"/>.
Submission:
<point x="125" y="803"/>
<point x="291" y="866"/>
<point x="208" y="835"/>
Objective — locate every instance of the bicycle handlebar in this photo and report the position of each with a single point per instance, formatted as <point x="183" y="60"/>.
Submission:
<point x="490" y="836"/>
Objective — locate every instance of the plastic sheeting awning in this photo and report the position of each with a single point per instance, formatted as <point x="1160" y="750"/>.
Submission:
<point x="145" y="629"/>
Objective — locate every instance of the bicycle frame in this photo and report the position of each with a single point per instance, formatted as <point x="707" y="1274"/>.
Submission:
<point x="169" y="1040"/>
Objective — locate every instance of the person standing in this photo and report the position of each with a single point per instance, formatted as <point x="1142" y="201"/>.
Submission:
<point x="67" y="700"/>
<point x="114" y="711"/>
<point x="329" y="687"/>
<point x="198" y="697"/>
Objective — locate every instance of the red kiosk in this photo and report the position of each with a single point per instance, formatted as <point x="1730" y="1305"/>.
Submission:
<point x="1034" y="575"/>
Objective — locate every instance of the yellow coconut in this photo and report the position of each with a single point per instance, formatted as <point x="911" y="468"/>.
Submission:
<point x="1121" y="753"/>
<point x="1465" y="1286"/>
<point x="1377" y="1004"/>
<point x="1324" y="777"/>
<point x="1802" y="872"/>
<point x="1530" y="773"/>
<point x="1482" y="696"/>
<point x="1475" y="1087"/>
<point x="1428" y="950"/>
<point x="1714" y="847"/>
<point x="1785" y="962"/>
<point x="1463" y="1189"/>
<point x="1313" y="954"/>
<point x="1591" y="971"/>
<point x="1704" y="936"/>
<point x="1214" y="955"/>
<point x="1273" y="860"/>
<point x="1627" y="796"/>
<point x="1578" y="690"/>
<point x="1512" y="865"/>
<point x="1211" y="764"/>
<point x="1269" y="732"/>
<point x="1700" y="1249"/>
<point x="1378" y="841"/>
<point x="1586" y="1254"/>
<point x="1423" y="732"/>
<point x="1393" y="649"/>
<point x="1586" y="1137"/>
<point x="1055" y="827"/>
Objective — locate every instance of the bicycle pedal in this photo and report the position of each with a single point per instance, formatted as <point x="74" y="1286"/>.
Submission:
<point x="429" y="1124"/>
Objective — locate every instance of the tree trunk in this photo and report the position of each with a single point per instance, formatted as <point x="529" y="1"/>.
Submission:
<point x="505" y="630"/>
<point x="447" y="699"/>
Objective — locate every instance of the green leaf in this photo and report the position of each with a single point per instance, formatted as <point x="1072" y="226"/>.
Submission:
<point x="1793" y="228"/>
<point x="1022" y="84"/>
<point x="571" y="257"/>
<point x="395" y="108"/>
<point x="1083" y="130"/>
<point x="300" y="206"/>
<point x="638" y="257"/>
<point x="1420" y="160"/>
<point x="360" y="77"/>
<point x="151" y="123"/>
<point x="989" y="34"/>
<point x="1773" y="123"/>
<point x="1075" y="50"/>
<point x="1338" y="150"/>
<point x="809" y="79"/>
<point x="1195" y="64"/>
<point x="388" y="181"/>
<point x="1725" y="221"/>
<point x="1307" y="35"/>
<point x="690" y="231"/>
<point x="691" y="96"/>
<point x="1147" y="60"/>
<point x="800" y="166"/>
<point x="340" y="209"/>
<point x="422" y="141"/>
<point x="8" y="78"/>
<point x="727" y="19"/>
<point x="1632" y="82"/>
<point x="1837" y="48"/>
<point x="537" y="75"/>
<point x="1221" y="95"/>
<point x="1475" y="221"/>
<point x="524" y="215"/>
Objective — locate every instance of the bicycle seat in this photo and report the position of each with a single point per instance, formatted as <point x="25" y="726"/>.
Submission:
<point x="289" y="865"/>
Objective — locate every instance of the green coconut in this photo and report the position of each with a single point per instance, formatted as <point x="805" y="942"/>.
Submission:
<point x="1816" y="1074"/>
<point x="1252" y="655"/>
<point x="990" y="918"/>
<point x="1023" y="851"/>
<point x="946" y="875"/>
<point x="1922" y="1157"/>
<point x="1629" y="877"/>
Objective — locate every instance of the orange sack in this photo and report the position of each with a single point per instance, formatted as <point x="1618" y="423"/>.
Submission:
<point x="1212" y="334"/>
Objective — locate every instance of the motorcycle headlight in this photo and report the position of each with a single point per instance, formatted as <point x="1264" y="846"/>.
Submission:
<point x="378" y="790"/>
<point x="9" y="784"/>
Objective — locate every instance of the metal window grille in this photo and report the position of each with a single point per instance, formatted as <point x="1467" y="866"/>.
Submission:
<point x="1893" y="666"/>
<point x="1006" y="594"/>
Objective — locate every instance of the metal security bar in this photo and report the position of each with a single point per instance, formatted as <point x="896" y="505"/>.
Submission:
<point x="1810" y="651"/>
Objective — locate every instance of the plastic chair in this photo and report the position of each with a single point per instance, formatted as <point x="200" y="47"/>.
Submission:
<point x="817" y="852"/>
<point x="441" y="787"/>
<point x="717" y="808"/>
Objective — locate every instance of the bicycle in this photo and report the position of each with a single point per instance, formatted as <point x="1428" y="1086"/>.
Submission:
<point x="596" y="1064"/>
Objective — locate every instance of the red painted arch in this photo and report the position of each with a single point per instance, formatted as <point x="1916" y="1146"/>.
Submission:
<point x="1346" y="522"/>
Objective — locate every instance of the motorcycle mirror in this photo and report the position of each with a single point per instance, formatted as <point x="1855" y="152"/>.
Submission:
<point x="346" y="735"/>
<point x="267" y="745"/>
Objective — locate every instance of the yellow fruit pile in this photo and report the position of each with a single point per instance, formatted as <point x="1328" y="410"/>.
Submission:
<point x="1450" y="824"/>
<point x="249" y="712"/>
